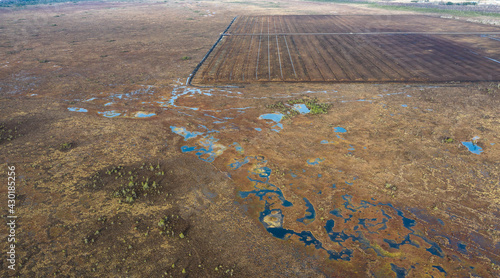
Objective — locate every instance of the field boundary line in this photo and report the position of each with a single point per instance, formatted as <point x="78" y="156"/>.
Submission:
<point x="278" y="46"/>
<point x="365" y="33"/>
<point x="288" y="49"/>
<point x="268" y="50"/>
<point x="191" y="76"/>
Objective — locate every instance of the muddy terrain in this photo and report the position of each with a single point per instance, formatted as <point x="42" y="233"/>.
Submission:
<point x="123" y="170"/>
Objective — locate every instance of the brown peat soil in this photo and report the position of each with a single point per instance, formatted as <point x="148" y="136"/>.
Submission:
<point x="124" y="171"/>
<point x="340" y="48"/>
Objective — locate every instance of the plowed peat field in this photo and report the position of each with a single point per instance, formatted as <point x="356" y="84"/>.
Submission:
<point x="351" y="49"/>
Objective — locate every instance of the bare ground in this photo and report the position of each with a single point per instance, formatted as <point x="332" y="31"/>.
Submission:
<point x="402" y="147"/>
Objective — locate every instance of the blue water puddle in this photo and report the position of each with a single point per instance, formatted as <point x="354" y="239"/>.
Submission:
<point x="302" y="108"/>
<point x="272" y="219"/>
<point x="406" y="240"/>
<point x="110" y="114"/>
<point x="184" y="133"/>
<point x="336" y="212"/>
<point x="310" y="215"/>
<point x="490" y="37"/>
<point x="440" y="269"/>
<point x="369" y="223"/>
<point x="327" y="142"/>
<point x="145" y="90"/>
<point x="398" y="93"/>
<point x="273" y="222"/>
<point x="401" y="272"/>
<point x="180" y="91"/>
<point x="422" y="215"/>
<point x="90" y="99"/>
<point x="258" y="129"/>
<point x="183" y="91"/>
<point x="275" y="117"/>
<point x="141" y="114"/>
<point x="238" y="163"/>
<point x="109" y="104"/>
<point x="76" y="109"/>
<point x="404" y="105"/>
<point x="218" y="120"/>
<point x="208" y="131"/>
<point x="208" y="115"/>
<point x="238" y="148"/>
<point x="316" y="92"/>
<point x="492" y="144"/>
<point x="473" y="148"/>
<point x="351" y="148"/>
<point x="462" y="247"/>
<point x="208" y="150"/>
<point x="315" y="161"/>
<point x="340" y="237"/>
<point x="376" y="224"/>
<point x="264" y="187"/>
<point x="241" y="109"/>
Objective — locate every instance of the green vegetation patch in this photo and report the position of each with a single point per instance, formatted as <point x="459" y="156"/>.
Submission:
<point x="286" y="108"/>
<point x="130" y="183"/>
<point x="448" y="140"/>
<point x="390" y="189"/>
<point x="8" y="133"/>
<point x="174" y="226"/>
<point x="66" y="146"/>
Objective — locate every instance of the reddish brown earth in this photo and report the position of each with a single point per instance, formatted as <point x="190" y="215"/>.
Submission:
<point x="121" y="188"/>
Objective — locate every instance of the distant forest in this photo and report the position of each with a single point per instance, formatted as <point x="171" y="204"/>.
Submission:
<point x="20" y="3"/>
